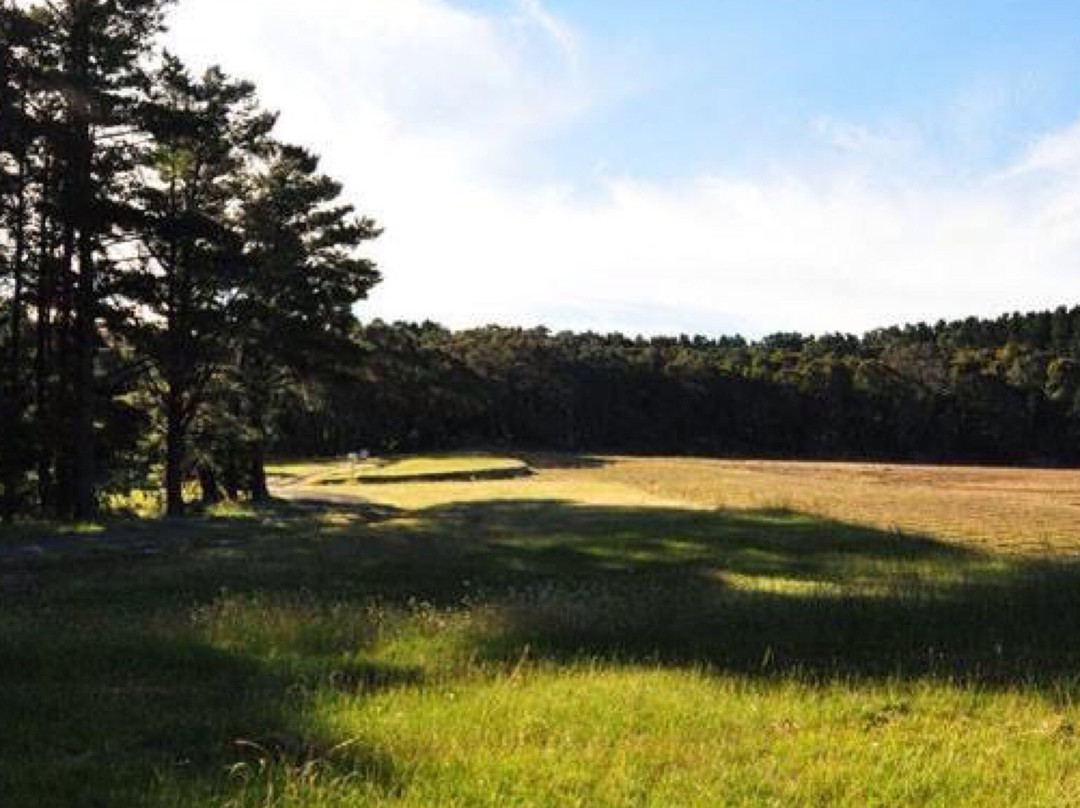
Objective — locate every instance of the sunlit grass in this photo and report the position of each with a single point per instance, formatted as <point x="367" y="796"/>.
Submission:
<point x="406" y="468"/>
<point x="597" y="736"/>
<point x="576" y="638"/>
<point x="28" y="532"/>
<point x="544" y="487"/>
<point x="1026" y="511"/>
<point x="439" y="465"/>
<point x="423" y="722"/>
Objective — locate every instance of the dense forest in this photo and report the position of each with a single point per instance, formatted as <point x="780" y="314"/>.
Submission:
<point x="989" y="391"/>
<point x="178" y="299"/>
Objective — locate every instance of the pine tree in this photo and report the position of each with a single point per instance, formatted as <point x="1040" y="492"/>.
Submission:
<point x="16" y="135"/>
<point x="92" y="56"/>
<point x="303" y="277"/>
<point x="205" y="132"/>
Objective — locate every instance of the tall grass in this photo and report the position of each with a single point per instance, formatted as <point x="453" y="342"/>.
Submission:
<point x="458" y="650"/>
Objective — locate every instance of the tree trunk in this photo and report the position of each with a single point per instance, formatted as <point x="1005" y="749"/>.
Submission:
<point x="65" y="349"/>
<point x="233" y="480"/>
<point x="85" y="488"/>
<point x="255" y="381"/>
<point x="14" y="400"/>
<point x="81" y="179"/>
<point x="260" y="491"/>
<point x="211" y="491"/>
<point x="46" y="432"/>
<point x="174" y="456"/>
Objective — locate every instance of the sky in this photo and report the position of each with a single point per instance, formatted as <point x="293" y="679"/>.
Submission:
<point x="691" y="166"/>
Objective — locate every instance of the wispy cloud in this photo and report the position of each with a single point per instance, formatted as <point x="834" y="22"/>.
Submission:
<point x="1055" y="152"/>
<point x="533" y="12"/>
<point x="859" y="139"/>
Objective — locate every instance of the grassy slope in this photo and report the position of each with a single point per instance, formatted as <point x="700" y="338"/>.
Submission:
<point x="563" y="640"/>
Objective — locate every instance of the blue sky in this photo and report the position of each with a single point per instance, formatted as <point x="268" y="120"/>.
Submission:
<point x="685" y="166"/>
<point x="738" y="86"/>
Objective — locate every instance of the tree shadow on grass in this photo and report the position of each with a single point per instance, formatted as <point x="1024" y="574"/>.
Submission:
<point x="99" y="707"/>
<point x="762" y="593"/>
<point x="109" y="712"/>
<point x="752" y="592"/>
<point x="561" y="460"/>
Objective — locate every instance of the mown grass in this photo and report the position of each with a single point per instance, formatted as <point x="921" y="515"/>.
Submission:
<point x="562" y="640"/>
<point x="1021" y="511"/>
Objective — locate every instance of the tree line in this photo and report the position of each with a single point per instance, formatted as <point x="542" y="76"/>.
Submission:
<point x="168" y="267"/>
<point x="177" y="301"/>
<point x="981" y="391"/>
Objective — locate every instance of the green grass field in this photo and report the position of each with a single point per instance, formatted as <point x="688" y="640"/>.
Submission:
<point x="580" y="637"/>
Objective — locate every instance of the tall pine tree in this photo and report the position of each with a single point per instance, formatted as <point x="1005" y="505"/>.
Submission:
<point x="94" y="55"/>
<point x="303" y="277"/>
<point x="206" y="132"/>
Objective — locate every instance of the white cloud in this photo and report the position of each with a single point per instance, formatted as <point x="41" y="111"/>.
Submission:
<point x="425" y="67"/>
<point x="534" y="12"/>
<point x="421" y="106"/>
<point x="1056" y="152"/>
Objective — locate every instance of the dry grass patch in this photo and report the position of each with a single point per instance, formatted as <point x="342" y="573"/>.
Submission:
<point x="411" y="468"/>
<point x="1023" y="511"/>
